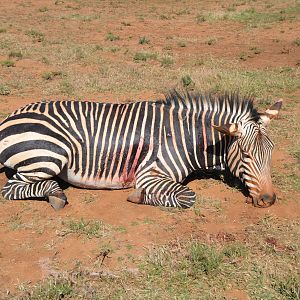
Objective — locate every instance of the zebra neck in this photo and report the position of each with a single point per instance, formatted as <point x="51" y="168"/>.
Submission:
<point x="211" y="144"/>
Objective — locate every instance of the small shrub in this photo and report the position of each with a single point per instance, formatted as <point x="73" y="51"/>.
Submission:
<point x="8" y="63"/>
<point x="4" y="90"/>
<point x="143" y="40"/>
<point x="112" y="37"/>
<point x="187" y="81"/>
<point x="2" y="30"/>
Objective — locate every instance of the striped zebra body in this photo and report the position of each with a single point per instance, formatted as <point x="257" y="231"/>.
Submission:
<point x="152" y="146"/>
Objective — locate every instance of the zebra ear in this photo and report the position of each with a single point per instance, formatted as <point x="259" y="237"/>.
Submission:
<point x="271" y="113"/>
<point x="229" y="129"/>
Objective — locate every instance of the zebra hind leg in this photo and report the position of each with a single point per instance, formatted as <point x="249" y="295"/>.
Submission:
<point x="20" y="187"/>
<point x="159" y="191"/>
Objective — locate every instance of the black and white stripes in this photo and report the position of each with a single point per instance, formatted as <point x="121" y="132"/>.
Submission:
<point x="153" y="146"/>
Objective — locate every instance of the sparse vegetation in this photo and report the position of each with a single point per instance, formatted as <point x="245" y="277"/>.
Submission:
<point x="296" y="42"/>
<point x="51" y="75"/>
<point x="90" y="229"/>
<point x="35" y="35"/>
<point x="187" y="81"/>
<point x="144" y="56"/>
<point x="144" y="40"/>
<point x="4" y="90"/>
<point x="166" y="61"/>
<point x="15" y="54"/>
<point x="112" y="37"/>
<point x="7" y="63"/>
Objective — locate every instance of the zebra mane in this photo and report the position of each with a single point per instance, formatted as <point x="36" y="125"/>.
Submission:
<point x="233" y="102"/>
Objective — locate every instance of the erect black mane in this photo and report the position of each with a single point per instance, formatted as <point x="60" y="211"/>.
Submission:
<point x="213" y="102"/>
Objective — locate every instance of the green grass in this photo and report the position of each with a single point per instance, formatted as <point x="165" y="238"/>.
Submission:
<point x="296" y="42"/>
<point x="52" y="75"/>
<point x="4" y="90"/>
<point x="166" y="61"/>
<point x="264" y="265"/>
<point x="144" y="56"/>
<point x="89" y="229"/>
<point x="144" y="40"/>
<point x="187" y="81"/>
<point x="15" y="54"/>
<point x="35" y="35"/>
<point x="112" y="37"/>
<point x="251" y="16"/>
<point x="8" y="63"/>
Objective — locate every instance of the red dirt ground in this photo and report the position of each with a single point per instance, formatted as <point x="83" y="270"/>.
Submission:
<point x="32" y="239"/>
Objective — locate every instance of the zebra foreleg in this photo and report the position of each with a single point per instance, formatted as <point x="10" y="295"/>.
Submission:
<point x="20" y="187"/>
<point x="163" y="192"/>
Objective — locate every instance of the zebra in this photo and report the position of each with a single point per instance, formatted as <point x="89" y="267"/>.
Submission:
<point x="152" y="146"/>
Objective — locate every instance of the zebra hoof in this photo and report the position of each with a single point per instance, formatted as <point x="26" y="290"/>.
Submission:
<point x="137" y="196"/>
<point x="56" y="202"/>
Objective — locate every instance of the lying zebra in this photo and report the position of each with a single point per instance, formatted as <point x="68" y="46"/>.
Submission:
<point x="150" y="145"/>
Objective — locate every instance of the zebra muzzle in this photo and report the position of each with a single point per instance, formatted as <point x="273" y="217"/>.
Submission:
<point x="266" y="200"/>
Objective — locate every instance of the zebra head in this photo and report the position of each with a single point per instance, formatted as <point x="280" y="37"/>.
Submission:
<point x="250" y="153"/>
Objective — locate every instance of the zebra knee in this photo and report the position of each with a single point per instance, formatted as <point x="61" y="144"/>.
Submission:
<point x="186" y="198"/>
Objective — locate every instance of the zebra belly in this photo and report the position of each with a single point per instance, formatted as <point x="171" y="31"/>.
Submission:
<point x="69" y="176"/>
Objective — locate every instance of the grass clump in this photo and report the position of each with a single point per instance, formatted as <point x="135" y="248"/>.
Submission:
<point x="90" y="229"/>
<point x="15" y="54"/>
<point x="7" y="63"/>
<point x="55" y="288"/>
<point x="211" y="41"/>
<point x="288" y="287"/>
<point x="144" y="40"/>
<point x="187" y="81"/>
<point x="204" y="259"/>
<point x="201" y="18"/>
<point x="166" y="61"/>
<point x="51" y="75"/>
<point x="4" y="90"/>
<point x="144" y="56"/>
<point x="112" y="37"/>
<point x="43" y="9"/>
<point x="35" y="35"/>
<point x="296" y="42"/>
